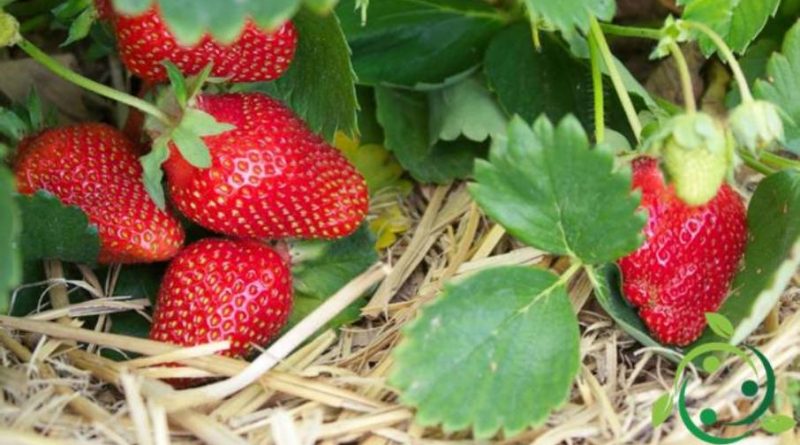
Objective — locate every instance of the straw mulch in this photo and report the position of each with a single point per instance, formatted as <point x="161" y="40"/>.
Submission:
<point x="331" y="389"/>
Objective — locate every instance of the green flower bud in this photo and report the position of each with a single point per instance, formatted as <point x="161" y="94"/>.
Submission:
<point x="9" y="30"/>
<point x="756" y="125"/>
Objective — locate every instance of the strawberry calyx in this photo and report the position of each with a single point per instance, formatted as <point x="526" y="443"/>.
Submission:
<point x="697" y="153"/>
<point x="184" y="131"/>
<point x="21" y="121"/>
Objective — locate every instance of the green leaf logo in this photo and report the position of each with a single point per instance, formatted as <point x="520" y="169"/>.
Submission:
<point x="719" y="324"/>
<point x="662" y="408"/>
<point x="777" y="423"/>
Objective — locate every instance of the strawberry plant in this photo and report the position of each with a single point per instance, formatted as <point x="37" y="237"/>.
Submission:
<point x="399" y="220"/>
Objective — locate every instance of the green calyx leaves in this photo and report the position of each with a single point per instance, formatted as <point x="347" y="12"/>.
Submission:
<point x="697" y="152"/>
<point x="756" y="125"/>
<point x="186" y="133"/>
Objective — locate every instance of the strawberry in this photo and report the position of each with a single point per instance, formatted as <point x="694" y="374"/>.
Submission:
<point x="94" y="167"/>
<point x="144" y="42"/>
<point x="689" y="257"/>
<point x="270" y="177"/>
<point x="216" y="289"/>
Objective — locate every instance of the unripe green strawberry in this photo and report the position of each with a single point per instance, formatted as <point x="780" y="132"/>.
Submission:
<point x="756" y="125"/>
<point x="697" y="154"/>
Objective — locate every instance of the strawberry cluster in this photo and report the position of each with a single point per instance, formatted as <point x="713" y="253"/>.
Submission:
<point x="269" y="177"/>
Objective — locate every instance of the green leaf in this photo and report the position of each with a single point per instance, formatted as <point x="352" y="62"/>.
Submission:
<point x="10" y="225"/>
<point x="153" y="175"/>
<point x="321" y="268"/>
<point x="411" y="42"/>
<point x="331" y="105"/>
<point x="738" y="22"/>
<point x="370" y="131"/>
<point x="782" y="86"/>
<point x="530" y="82"/>
<point x="777" y="423"/>
<point x="465" y="109"/>
<point x="662" y="408"/>
<point x="754" y="66"/>
<point x="569" y="14"/>
<point x="200" y="123"/>
<point x="551" y="191"/>
<point x="80" y="26"/>
<point x="719" y="324"/>
<point x="223" y="19"/>
<point x="12" y="126"/>
<point x="405" y="118"/>
<point x="498" y="350"/>
<point x="606" y="280"/>
<point x="51" y="230"/>
<point x="771" y="257"/>
<point x="191" y="147"/>
<point x="136" y="281"/>
<point x="178" y="83"/>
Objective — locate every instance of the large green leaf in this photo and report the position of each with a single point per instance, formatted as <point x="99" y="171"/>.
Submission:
<point x="136" y="281"/>
<point x="405" y="118"/>
<point x="323" y="267"/>
<point x="498" y="350"/>
<point x="530" y="82"/>
<point x="320" y="84"/>
<point x="410" y="42"/>
<point x="51" y="230"/>
<point x="738" y="21"/>
<point x="549" y="189"/>
<point x="466" y="109"/>
<point x="568" y="14"/>
<point x="224" y="19"/>
<point x="771" y="258"/>
<point x="10" y="264"/>
<point x="782" y="86"/>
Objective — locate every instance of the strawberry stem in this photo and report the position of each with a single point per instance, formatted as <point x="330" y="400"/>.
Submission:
<point x="686" y="77"/>
<point x="91" y="85"/>
<point x="616" y="79"/>
<point x="779" y="161"/>
<point x="755" y="164"/>
<point x="597" y="86"/>
<point x="631" y="31"/>
<point x="728" y="56"/>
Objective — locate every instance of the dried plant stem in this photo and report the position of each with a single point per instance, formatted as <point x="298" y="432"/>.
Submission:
<point x="281" y="348"/>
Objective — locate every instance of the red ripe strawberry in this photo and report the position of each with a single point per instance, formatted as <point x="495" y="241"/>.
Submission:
<point x="215" y="290"/>
<point x="271" y="177"/>
<point x="685" y="267"/>
<point x="94" y="167"/>
<point x="256" y="55"/>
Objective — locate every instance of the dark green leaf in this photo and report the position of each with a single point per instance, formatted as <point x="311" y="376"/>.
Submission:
<point x="51" y="230"/>
<point x="178" y="83"/>
<point x="404" y="116"/>
<point x="496" y="351"/>
<point x="777" y="423"/>
<point x="530" y="82"/>
<point x="569" y="14"/>
<point x="136" y="281"/>
<point x="153" y="174"/>
<point x="771" y="257"/>
<point x="81" y="26"/>
<point x="330" y="104"/>
<point x="719" y="324"/>
<point x="782" y="86"/>
<point x="369" y="129"/>
<point x="662" y="408"/>
<point x="738" y="22"/>
<point x="465" y="109"/>
<point x="10" y="225"/>
<point x="304" y="305"/>
<point x="549" y="189"/>
<point x="323" y="267"/>
<point x="411" y="42"/>
<point x="12" y="126"/>
<point x="754" y="66"/>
